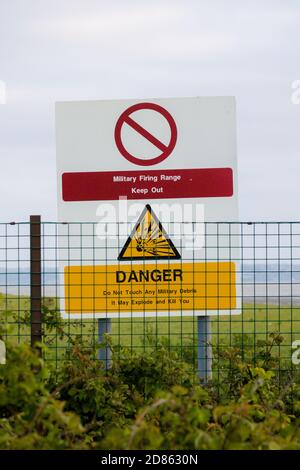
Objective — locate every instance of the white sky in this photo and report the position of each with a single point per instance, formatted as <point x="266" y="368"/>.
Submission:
<point x="68" y="50"/>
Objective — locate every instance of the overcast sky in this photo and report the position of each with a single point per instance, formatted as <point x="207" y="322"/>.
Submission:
<point x="91" y="49"/>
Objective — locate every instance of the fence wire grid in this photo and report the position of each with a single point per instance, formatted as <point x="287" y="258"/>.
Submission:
<point x="266" y="258"/>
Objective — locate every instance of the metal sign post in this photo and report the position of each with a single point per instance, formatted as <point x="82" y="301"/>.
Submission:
<point x="204" y="348"/>
<point x="104" y="327"/>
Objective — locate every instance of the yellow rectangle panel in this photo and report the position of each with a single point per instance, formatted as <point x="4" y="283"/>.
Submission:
<point x="150" y="287"/>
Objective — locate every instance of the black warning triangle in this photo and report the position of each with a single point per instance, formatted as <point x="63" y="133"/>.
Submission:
<point x="148" y="240"/>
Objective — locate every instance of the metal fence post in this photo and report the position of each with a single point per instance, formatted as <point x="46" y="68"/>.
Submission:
<point x="204" y="348"/>
<point x="104" y="327"/>
<point x="35" y="280"/>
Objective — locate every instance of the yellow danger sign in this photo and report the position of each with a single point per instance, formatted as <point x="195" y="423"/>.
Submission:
<point x="148" y="240"/>
<point x="150" y="288"/>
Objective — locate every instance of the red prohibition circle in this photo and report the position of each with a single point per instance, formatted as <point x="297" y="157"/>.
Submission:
<point x="166" y="150"/>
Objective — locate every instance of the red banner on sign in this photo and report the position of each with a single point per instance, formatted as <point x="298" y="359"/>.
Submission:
<point x="150" y="184"/>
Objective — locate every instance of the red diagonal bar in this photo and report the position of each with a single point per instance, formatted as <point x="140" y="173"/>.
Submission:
<point x="108" y="185"/>
<point x="141" y="130"/>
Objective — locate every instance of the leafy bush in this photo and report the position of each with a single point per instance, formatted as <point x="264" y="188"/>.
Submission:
<point x="147" y="400"/>
<point x="30" y="417"/>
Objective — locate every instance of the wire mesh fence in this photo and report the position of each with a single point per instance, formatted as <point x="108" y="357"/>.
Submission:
<point x="256" y="311"/>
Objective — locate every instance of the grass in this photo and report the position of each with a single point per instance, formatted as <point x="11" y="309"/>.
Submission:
<point x="255" y="323"/>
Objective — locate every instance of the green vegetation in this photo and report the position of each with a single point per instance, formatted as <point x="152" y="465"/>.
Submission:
<point x="151" y="397"/>
<point x="246" y="330"/>
<point x="147" y="400"/>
